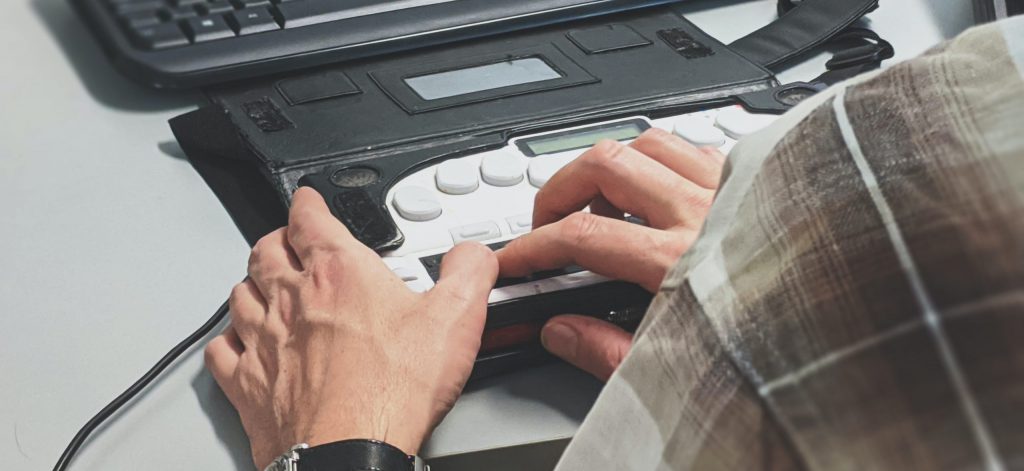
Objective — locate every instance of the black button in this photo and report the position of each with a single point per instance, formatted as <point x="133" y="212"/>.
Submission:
<point x="160" y="36"/>
<point x="684" y="44"/>
<point x="358" y="177"/>
<point x="607" y="38"/>
<point x="178" y="13"/>
<point x="317" y="87"/>
<point x="253" y="20"/>
<point x="207" y="29"/>
<point x="216" y="7"/>
<point x="141" y="19"/>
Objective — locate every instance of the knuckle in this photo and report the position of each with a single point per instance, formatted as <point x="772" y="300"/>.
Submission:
<point x="237" y="293"/>
<point x="579" y="228"/>
<point x="603" y="154"/>
<point x="209" y="353"/>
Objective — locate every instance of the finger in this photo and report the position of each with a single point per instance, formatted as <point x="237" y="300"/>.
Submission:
<point x="222" y="355"/>
<point x="272" y="260"/>
<point x="630" y="181"/>
<point x="312" y="227"/>
<point x="616" y="249"/>
<point x="682" y="157"/>
<point x="468" y="273"/>
<point x="590" y="344"/>
<point x="248" y="310"/>
<point x="601" y="207"/>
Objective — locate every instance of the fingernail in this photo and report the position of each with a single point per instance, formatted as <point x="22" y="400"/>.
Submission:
<point x="560" y="339"/>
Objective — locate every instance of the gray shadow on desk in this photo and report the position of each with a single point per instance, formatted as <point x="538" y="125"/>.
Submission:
<point x="96" y="72"/>
<point x="224" y="417"/>
<point x="172" y="149"/>
<point x="536" y="384"/>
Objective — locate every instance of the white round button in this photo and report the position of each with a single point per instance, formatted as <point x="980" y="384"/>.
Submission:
<point x="501" y="169"/>
<point x="736" y="122"/>
<point x="417" y="203"/>
<point x="544" y="167"/>
<point x="457" y="177"/>
<point x="698" y="131"/>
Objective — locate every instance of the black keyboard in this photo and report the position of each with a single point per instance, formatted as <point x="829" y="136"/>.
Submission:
<point x="187" y="43"/>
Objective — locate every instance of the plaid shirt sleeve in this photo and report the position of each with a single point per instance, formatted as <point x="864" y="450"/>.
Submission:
<point x="856" y="299"/>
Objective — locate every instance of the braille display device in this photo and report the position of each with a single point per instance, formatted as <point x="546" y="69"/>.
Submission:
<point x="418" y="151"/>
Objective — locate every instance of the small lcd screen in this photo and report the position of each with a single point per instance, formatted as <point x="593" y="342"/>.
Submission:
<point x="583" y="138"/>
<point x="482" y="78"/>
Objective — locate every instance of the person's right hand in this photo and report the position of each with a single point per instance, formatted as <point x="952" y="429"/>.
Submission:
<point x="659" y="178"/>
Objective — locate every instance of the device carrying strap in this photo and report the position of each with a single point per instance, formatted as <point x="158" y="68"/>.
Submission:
<point x="800" y="27"/>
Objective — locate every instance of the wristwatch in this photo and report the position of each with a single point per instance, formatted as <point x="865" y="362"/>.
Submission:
<point x="347" y="455"/>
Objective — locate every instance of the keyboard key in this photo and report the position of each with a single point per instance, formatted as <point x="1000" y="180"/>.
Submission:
<point x="255" y="20"/>
<point x="216" y="7"/>
<point x="457" y="177"/>
<point x="520" y="224"/>
<point x="207" y="29"/>
<point x="700" y="132"/>
<point x="178" y="13"/>
<point x="543" y="167"/>
<point x="737" y="122"/>
<point x="406" y="274"/>
<point x="478" y="232"/>
<point x="186" y="3"/>
<point x="501" y="169"/>
<point x="160" y="36"/>
<point x="241" y="4"/>
<point x="311" y="12"/>
<point x="141" y="19"/>
<point x="417" y="203"/>
<point x="126" y="8"/>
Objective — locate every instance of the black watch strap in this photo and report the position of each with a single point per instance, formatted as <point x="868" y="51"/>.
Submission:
<point x="355" y="455"/>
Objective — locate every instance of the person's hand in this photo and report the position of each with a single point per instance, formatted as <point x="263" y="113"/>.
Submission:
<point x="327" y="344"/>
<point x="659" y="178"/>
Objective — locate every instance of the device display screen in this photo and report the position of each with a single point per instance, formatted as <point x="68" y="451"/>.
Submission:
<point x="482" y="78"/>
<point x="583" y="138"/>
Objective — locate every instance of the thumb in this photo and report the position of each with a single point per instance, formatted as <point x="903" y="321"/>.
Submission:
<point x="468" y="273"/>
<point x="590" y="344"/>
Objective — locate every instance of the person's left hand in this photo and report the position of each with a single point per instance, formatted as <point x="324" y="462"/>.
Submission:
<point x="327" y="344"/>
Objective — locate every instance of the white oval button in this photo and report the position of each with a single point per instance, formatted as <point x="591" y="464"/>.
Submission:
<point x="417" y="203"/>
<point x="698" y="131"/>
<point x="542" y="168"/>
<point x="457" y="177"/>
<point x="501" y="169"/>
<point x="736" y="122"/>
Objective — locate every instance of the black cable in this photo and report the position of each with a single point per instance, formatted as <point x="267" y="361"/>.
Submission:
<point x="135" y="389"/>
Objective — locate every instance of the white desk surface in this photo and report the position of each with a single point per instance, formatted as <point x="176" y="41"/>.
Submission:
<point x="112" y="249"/>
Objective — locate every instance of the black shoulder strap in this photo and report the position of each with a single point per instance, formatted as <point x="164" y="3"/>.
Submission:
<point x="804" y="26"/>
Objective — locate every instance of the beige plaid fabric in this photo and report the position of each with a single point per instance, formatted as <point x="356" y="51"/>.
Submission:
<point x="856" y="300"/>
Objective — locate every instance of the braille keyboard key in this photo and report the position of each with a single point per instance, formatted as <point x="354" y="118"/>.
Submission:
<point x="457" y="177"/>
<point x="208" y="28"/>
<point x="251" y="21"/>
<point x="479" y="231"/>
<point x="160" y="36"/>
<point x="501" y="168"/>
<point x="737" y="122"/>
<point x="700" y="132"/>
<point x="417" y="203"/>
<point x="520" y="224"/>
